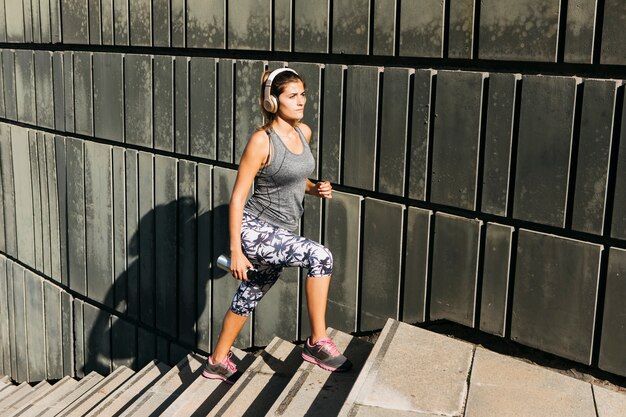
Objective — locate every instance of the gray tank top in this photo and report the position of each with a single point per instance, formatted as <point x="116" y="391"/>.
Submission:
<point x="279" y="187"/>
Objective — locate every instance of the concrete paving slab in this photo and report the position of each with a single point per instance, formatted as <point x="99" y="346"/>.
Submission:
<point x="6" y="392"/>
<point x="503" y="386"/>
<point x="367" y="411"/>
<point x="203" y="394"/>
<point x="407" y="360"/>
<point x="76" y="394"/>
<point x="169" y="387"/>
<point x="131" y="390"/>
<point x="313" y="390"/>
<point x="35" y="392"/>
<point x="609" y="403"/>
<point x="259" y="387"/>
<point x="59" y="390"/>
<point x="20" y="392"/>
<point x="99" y="392"/>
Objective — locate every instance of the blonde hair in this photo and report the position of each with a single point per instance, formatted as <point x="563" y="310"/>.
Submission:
<point x="278" y="86"/>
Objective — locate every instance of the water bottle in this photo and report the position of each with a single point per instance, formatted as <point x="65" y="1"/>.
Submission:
<point x="223" y="262"/>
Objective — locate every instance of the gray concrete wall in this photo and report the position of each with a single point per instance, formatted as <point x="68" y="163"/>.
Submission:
<point x="476" y="149"/>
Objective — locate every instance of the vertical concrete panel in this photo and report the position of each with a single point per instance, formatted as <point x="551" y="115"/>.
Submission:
<point x="53" y="322"/>
<point x="361" y="126"/>
<point x="2" y="208"/>
<point x="544" y="149"/>
<point x="107" y="22"/>
<point x="224" y="285"/>
<point x="14" y="13"/>
<point x="331" y="130"/>
<point x="165" y="215"/>
<point x="384" y="27"/>
<point x="28" y="21"/>
<point x="311" y="25"/>
<point x="342" y="232"/>
<point x="138" y="99"/>
<point x="181" y="105"/>
<point x="178" y="23"/>
<point x="146" y="347"/>
<point x="351" y="27"/>
<point x="4" y="318"/>
<point x="23" y="195"/>
<point x="2" y="98"/>
<point x="394" y="129"/>
<point x="19" y="318"/>
<point x="164" y="103"/>
<point x="283" y="10"/>
<point x="58" y="202"/>
<point x="10" y="94"/>
<point x="76" y="215"/>
<point x="205" y="256"/>
<point x="421" y="28"/>
<point x="97" y="333"/>
<point x="25" y="86"/>
<point x="495" y="288"/>
<point x="58" y="91"/>
<point x="457" y="136"/>
<point x="455" y="269"/>
<point x="161" y="28"/>
<point x="187" y="250"/>
<point x="120" y="279"/>
<point x="247" y="111"/>
<point x="95" y="22"/>
<point x="44" y="90"/>
<point x="45" y="203"/>
<point x="83" y="94"/>
<point x="36" y="196"/>
<point x="132" y="234"/>
<point x="3" y="23"/>
<point x="382" y="242"/>
<point x="498" y="141"/>
<point x="8" y="190"/>
<point x="416" y="265"/>
<point x="146" y="204"/>
<point x="11" y="310"/>
<point x="99" y="222"/>
<point x="555" y="294"/>
<point x="35" y="330"/>
<point x="225" y="115"/>
<point x="420" y="131"/>
<point x="44" y="13"/>
<point x="613" y="324"/>
<point x="519" y="30"/>
<point x="68" y="91"/>
<point x="75" y="17"/>
<point x="580" y="31"/>
<point x="140" y="23"/>
<point x="311" y="224"/>
<point x="121" y="22"/>
<point x="35" y="22"/>
<point x="68" y="336"/>
<point x="618" y="224"/>
<point x="55" y="21"/>
<point x="461" y="31"/>
<point x="123" y="344"/>
<point x="202" y="102"/>
<point x="613" y="35"/>
<point x="205" y="24"/>
<point x="250" y="27"/>
<point x="594" y="149"/>
<point x="108" y="96"/>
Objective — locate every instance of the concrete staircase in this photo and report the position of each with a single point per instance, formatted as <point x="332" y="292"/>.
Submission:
<point x="409" y="372"/>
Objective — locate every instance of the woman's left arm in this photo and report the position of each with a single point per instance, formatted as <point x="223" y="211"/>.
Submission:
<point x="321" y="189"/>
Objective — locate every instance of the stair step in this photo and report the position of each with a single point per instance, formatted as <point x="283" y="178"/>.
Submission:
<point x="407" y="360"/>
<point x="131" y="390"/>
<point x="165" y="391"/>
<point x="41" y="390"/>
<point x="83" y="386"/>
<point x="99" y="392"/>
<point x="20" y="392"/>
<point x="8" y="409"/>
<point x="315" y="391"/>
<point x="6" y="380"/>
<point x="203" y="394"/>
<point x="4" y="389"/>
<point x="259" y="386"/>
<point x="58" y="391"/>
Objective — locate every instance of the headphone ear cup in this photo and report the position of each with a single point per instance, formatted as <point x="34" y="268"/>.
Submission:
<point x="271" y="104"/>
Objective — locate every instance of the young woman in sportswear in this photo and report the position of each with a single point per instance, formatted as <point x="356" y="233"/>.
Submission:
<point x="278" y="161"/>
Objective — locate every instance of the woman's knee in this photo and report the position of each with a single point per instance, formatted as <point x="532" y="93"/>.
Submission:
<point x="321" y="263"/>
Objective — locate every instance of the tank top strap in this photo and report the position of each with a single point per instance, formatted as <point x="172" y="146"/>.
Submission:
<point x="302" y="137"/>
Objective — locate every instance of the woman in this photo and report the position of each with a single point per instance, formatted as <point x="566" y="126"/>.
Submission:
<point x="278" y="160"/>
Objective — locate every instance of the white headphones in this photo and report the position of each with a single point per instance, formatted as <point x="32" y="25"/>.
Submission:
<point x="270" y="102"/>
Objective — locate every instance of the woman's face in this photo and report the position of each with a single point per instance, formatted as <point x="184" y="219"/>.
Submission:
<point x="292" y="101"/>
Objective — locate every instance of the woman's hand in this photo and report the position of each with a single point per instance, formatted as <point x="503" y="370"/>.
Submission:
<point x="324" y="189"/>
<point x="239" y="266"/>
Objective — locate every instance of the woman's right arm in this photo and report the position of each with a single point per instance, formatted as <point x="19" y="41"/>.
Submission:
<point x="254" y="156"/>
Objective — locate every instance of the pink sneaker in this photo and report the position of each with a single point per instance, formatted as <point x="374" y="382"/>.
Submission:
<point x="226" y="370"/>
<point x="325" y="354"/>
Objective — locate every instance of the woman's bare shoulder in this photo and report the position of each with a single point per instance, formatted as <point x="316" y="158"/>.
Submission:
<point x="306" y="131"/>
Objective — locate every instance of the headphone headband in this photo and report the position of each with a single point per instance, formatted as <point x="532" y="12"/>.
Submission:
<point x="270" y="103"/>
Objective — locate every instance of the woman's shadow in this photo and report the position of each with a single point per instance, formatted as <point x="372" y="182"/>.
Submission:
<point x="161" y="301"/>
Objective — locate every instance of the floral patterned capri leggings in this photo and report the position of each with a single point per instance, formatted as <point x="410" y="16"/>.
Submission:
<point x="270" y="248"/>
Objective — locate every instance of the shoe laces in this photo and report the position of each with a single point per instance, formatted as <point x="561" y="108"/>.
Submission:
<point x="229" y="363"/>
<point x="328" y="345"/>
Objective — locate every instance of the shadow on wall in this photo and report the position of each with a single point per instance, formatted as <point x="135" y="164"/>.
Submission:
<point x="163" y="300"/>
